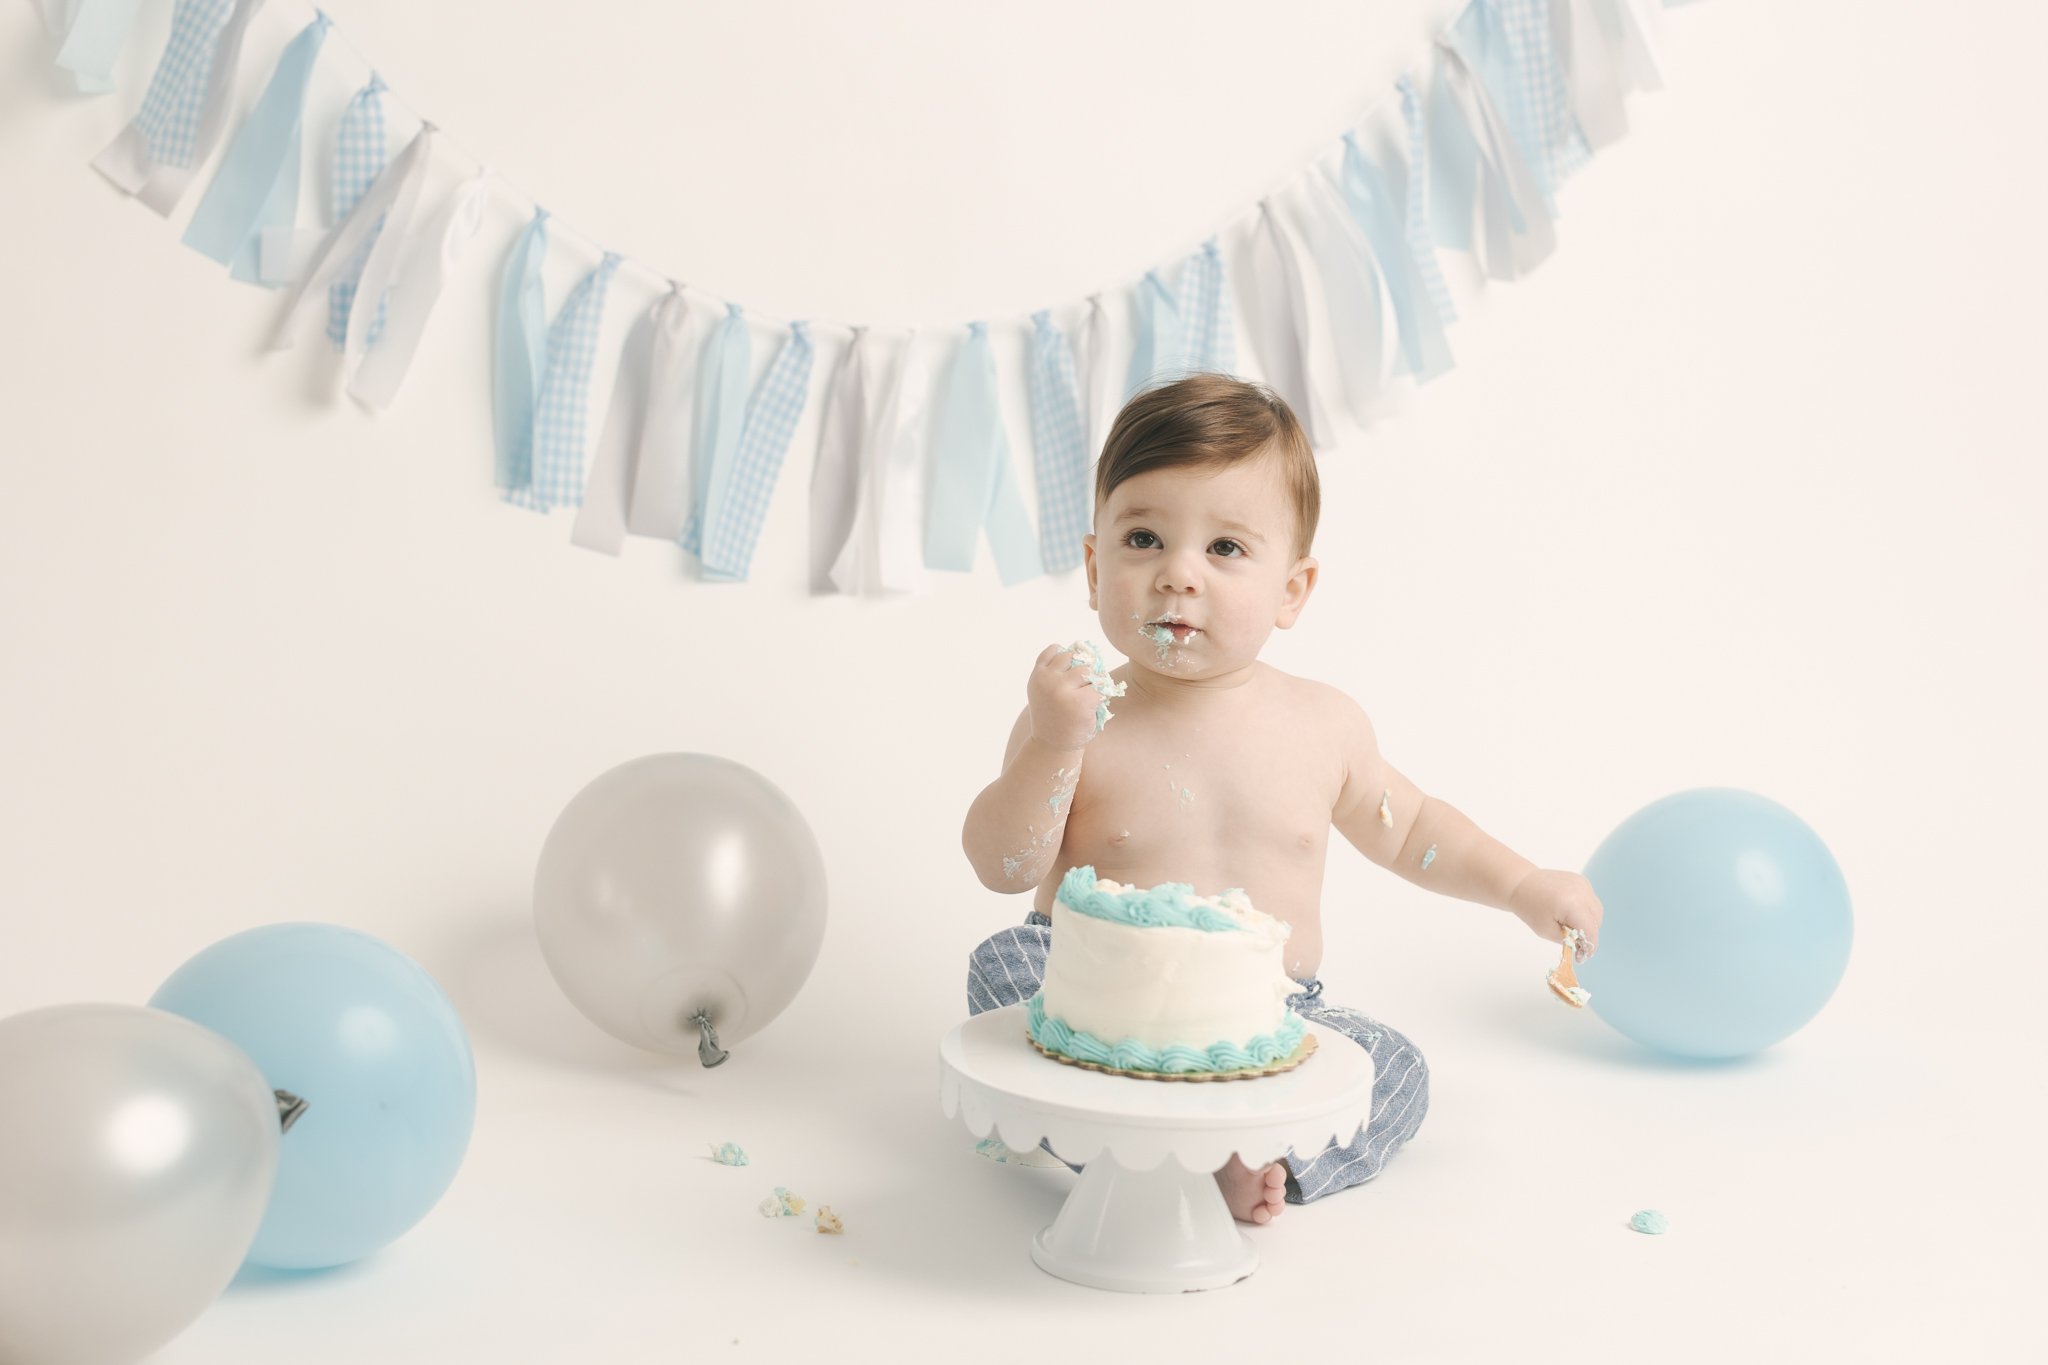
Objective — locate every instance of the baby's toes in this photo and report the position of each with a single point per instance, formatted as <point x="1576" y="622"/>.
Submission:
<point x="1274" y="1189"/>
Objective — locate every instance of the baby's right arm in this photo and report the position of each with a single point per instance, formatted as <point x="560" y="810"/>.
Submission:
<point x="1014" y="827"/>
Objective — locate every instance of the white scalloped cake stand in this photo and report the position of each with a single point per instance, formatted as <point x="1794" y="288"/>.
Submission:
<point x="1146" y="1216"/>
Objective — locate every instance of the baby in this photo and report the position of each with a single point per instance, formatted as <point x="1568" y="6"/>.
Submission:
<point x="1220" y="770"/>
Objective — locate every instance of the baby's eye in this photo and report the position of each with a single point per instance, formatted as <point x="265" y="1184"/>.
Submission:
<point x="1140" y="540"/>
<point x="1229" y="549"/>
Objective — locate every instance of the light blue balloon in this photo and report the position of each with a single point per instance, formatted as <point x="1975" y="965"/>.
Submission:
<point x="1727" y="924"/>
<point x="362" y="1034"/>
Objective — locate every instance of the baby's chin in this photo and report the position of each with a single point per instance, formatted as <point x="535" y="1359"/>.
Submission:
<point x="1193" y="658"/>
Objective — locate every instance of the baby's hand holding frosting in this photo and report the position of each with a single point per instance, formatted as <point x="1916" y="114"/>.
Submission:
<point x="1551" y="902"/>
<point x="1064" y="701"/>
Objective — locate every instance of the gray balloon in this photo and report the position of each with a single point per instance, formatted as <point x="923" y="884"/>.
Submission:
<point x="137" y="1152"/>
<point x="678" y="885"/>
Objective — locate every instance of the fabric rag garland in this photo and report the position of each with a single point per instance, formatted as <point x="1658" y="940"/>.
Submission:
<point x="1519" y="95"/>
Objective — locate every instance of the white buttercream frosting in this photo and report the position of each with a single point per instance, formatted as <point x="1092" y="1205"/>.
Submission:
<point x="1167" y="985"/>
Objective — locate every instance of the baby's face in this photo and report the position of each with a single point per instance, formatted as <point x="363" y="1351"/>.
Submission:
<point x="1191" y="569"/>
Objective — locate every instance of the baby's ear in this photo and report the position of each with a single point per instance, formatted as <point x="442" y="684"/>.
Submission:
<point x="1301" y="581"/>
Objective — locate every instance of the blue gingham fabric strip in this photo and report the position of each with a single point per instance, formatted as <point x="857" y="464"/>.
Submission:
<point x="1156" y="350"/>
<point x="256" y="186"/>
<point x="93" y="43"/>
<point x="519" y="357"/>
<point x="1416" y="215"/>
<point x="1552" y="139"/>
<point x="171" y="109"/>
<point x="1060" y="444"/>
<point x="973" y="484"/>
<point x="360" y="151"/>
<point x="1424" y="351"/>
<point x="560" y="424"/>
<point x="186" y="106"/>
<point x="721" y="413"/>
<point x="738" y="506"/>
<point x="1208" y="331"/>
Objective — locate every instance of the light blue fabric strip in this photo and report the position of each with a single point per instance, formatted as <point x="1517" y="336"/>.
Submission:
<point x="1060" y="445"/>
<point x="1425" y="352"/>
<point x="1415" y="214"/>
<point x="280" y="210"/>
<point x="721" y="414"/>
<point x="230" y="219"/>
<point x="972" y="483"/>
<point x="739" y="505"/>
<point x="169" y="118"/>
<point x="1480" y="36"/>
<point x="99" y="31"/>
<point x="559" y="414"/>
<point x="361" y="148"/>
<point x="1156" y="349"/>
<point x="1453" y="167"/>
<point x="520" y="355"/>
<point x="1208" y="331"/>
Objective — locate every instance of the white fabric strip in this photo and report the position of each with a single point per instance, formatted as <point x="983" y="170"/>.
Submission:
<point x="394" y="198"/>
<point x="127" y="160"/>
<point x="1359" y="304"/>
<point x="1091" y="367"/>
<point x="843" y="434"/>
<point x="1609" y="54"/>
<point x="1507" y="188"/>
<point x="1278" y="321"/>
<point x="410" y="286"/>
<point x="660" y="498"/>
<point x="884" y="552"/>
<point x="601" y="518"/>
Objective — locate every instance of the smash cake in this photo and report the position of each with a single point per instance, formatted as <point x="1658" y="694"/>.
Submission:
<point x="1165" y="984"/>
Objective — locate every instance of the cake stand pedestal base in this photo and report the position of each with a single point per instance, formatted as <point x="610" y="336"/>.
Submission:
<point x="1146" y="1216"/>
<point x="1162" y="1231"/>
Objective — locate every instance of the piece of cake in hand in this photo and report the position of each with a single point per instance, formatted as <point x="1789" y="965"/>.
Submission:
<point x="1166" y="984"/>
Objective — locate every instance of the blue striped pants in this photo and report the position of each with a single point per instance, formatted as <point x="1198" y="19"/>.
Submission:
<point x="1007" y="967"/>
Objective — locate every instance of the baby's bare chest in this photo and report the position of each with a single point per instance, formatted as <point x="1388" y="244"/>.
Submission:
<point x="1225" y="803"/>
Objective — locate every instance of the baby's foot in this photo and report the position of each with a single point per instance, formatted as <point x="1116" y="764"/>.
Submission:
<point x="1253" y="1196"/>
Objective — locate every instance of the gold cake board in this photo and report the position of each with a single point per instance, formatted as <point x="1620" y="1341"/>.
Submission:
<point x="1292" y="1060"/>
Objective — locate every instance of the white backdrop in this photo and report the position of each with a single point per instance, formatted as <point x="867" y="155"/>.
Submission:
<point x="1743" y="487"/>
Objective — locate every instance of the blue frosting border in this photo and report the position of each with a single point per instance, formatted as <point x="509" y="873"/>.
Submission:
<point x="1169" y="905"/>
<point x="1055" y="1035"/>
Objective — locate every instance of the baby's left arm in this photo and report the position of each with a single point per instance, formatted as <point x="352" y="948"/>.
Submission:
<point x="1435" y="845"/>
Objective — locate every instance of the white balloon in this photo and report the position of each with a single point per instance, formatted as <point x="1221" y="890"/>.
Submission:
<point x="137" y="1153"/>
<point x="675" y="885"/>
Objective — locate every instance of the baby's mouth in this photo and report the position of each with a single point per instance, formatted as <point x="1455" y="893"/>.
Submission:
<point x="1170" y="627"/>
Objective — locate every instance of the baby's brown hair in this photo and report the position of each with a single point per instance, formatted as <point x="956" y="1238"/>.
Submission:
<point x="1207" y="420"/>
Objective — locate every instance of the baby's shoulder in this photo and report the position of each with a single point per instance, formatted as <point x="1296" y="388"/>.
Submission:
<point x="1299" y="694"/>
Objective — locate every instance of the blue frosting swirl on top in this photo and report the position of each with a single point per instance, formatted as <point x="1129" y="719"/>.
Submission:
<point x="1169" y="905"/>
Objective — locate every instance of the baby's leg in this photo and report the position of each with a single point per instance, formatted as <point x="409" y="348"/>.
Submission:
<point x="1006" y="967"/>
<point x="1400" y="1098"/>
